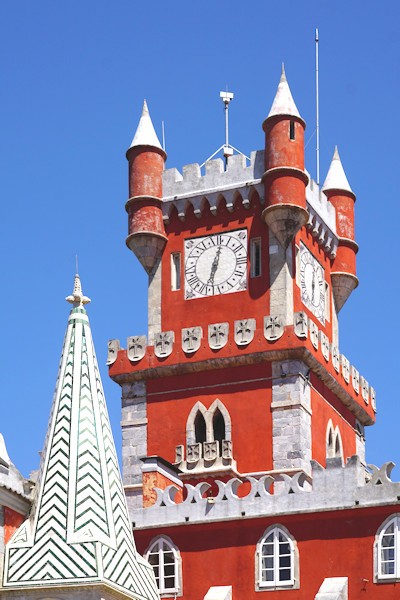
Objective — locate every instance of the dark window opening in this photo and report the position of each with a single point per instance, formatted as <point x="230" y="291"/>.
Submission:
<point x="292" y="130"/>
<point x="255" y="257"/>
<point x="219" y="428"/>
<point x="200" y="428"/>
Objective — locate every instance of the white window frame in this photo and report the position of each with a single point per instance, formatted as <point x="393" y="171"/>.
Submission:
<point x="275" y="583"/>
<point x="378" y="575"/>
<point x="156" y="547"/>
<point x="336" y="440"/>
<point x="208" y="415"/>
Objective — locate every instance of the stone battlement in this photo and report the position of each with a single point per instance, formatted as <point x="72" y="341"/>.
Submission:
<point x="336" y="487"/>
<point x="192" y="182"/>
<point x="217" y="185"/>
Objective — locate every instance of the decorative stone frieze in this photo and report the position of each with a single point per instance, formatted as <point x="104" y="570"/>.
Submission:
<point x="164" y="343"/>
<point x="227" y="449"/>
<point x="345" y="368"/>
<point x="273" y="327"/>
<point x="335" y="358"/>
<point x="313" y="334"/>
<point x="324" y="345"/>
<point x="193" y="453"/>
<point x="244" y="331"/>
<point x="179" y="453"/>
<point x="136" y="347"/>
<point x="301" y="324"/>
<point x="210" y="451"/>
<point x="372" y="394"/>
<point x="113" y="347"/>
<point x="355" y="379"/>
<point x="218" y="335"/>
<point x="364" y="389"/>
<point x="336" y="487"/>
<point x="191" y="339"/>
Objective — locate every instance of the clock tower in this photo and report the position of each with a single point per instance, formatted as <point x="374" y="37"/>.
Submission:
<point x="239" y="384"/>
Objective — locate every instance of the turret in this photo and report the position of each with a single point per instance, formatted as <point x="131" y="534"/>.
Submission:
<point x="340" y="194"/>
<point x="285" y="179"/>
<point x="146" y="234"/>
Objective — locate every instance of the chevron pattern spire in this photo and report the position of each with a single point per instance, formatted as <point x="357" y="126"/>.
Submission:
<point x="79" y="533"/>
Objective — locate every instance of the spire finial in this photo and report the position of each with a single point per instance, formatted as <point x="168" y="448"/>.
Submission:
<point x="283" y="74"/>
<point x="145" y="133"/>
<point x="77" y="298"/>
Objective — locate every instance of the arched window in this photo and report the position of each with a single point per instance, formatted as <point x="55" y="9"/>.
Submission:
<point x="164" y="557"/>
<point x="276" y="559"/>
<point x="387" y="546"/>
<point x="218" y="427"/>
<point x="334" y="446"/>
<point x="200" y="429"/>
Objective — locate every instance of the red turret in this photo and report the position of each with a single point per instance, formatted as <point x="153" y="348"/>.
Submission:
<point x="145" y="223"/>
<point x="284" y="178"/>
<point x="340" y="194"/>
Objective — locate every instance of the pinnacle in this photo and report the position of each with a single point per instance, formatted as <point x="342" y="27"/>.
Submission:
<point x="145" y="133"/>
<point x="283" y="103"/>
<point x="336" y="178"/>
<point x="77" y="298"/>
<point x="283" y="74"/>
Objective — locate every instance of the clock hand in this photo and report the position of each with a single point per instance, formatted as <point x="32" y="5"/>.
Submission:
<point x="214" y="267"/>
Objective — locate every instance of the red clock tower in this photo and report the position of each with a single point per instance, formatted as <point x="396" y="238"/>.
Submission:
<point x="243" y="424"/>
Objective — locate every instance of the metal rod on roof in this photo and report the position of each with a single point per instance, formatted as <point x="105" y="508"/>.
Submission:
<point x="317" y="99"/>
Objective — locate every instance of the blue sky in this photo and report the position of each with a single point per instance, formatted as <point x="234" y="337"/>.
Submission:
<point x="73" y="79"/>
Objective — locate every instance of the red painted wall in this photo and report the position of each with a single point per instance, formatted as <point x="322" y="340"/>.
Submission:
<point x="252" y="302"/>
<point x="325" y="406"/>
<point x="245" y="392"/>
<point x="12" y="520"/>
<point x="332" y="544"/>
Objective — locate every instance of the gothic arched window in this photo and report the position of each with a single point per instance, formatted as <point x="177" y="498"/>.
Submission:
<point x="387" y="549"/>
<point x="218" y="423"/>
<point x="200" y="428"/>
<point x="164" y="557"/>
<point x="334" y="446"/>
<point x="277" y="559"/>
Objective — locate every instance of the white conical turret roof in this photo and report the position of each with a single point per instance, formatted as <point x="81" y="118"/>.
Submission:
<point x="145" y="133"/>
<point x="336" y="178"/>
<point x="79" y="533"/>
<point x="283" y="103"/>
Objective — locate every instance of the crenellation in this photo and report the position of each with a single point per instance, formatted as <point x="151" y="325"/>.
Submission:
<point x="192" y="181"/>
<point x="335" y="487"/>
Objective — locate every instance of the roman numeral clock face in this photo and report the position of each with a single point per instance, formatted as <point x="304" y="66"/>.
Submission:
<point x="216" y="264"/>
<point x="312" y="284"/>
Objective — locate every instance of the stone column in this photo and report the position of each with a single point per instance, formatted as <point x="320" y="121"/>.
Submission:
<point x="134" y="440"/>
<point x="291" y="416"/>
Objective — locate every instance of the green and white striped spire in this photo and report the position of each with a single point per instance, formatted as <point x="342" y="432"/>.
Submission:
<point x="78" y="535"/>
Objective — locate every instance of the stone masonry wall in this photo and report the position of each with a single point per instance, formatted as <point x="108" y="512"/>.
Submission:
<point x="291" y="416"/>
<point x="134" y="440"/>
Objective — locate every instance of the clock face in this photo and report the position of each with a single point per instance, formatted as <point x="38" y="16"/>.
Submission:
<point x="312" y="284"/>
<point x="216" y="264"/>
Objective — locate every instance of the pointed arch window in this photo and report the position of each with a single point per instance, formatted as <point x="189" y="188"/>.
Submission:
<point x="200" y="428"/>
<point x="218" y="424"/>
<point x="164" y="557"/>
<point x="334" y="445"/>
<point x="277" y="560"/>
<point x="387" y="549"/>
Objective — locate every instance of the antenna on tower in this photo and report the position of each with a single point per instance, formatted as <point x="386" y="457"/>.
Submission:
<point x="163" y="135"/>
<point x="227" y="148"/>
<point x="317" y="100"/>
<point x="76" y="264"/>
